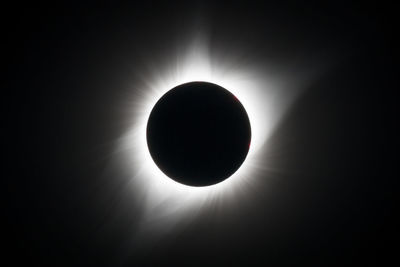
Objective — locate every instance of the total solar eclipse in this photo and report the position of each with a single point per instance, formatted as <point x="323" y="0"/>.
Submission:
<point x="198" y="134"/>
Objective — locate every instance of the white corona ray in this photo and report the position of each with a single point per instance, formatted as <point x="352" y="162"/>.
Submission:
<point x="262" y="94"/>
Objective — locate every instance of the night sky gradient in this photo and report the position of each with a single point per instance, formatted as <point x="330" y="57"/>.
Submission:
<point x="326" y="192"/>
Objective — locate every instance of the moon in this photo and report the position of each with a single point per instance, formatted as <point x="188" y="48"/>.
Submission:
<point x="198" y="134"/>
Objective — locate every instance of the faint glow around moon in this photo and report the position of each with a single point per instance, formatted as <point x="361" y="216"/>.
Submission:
<point x="265" y="99"/>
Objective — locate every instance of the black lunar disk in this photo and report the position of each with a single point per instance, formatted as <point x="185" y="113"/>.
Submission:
<point x="198" y="134"/>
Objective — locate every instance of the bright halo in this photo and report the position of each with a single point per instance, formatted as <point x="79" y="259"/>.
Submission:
<point x="165" y="201"/>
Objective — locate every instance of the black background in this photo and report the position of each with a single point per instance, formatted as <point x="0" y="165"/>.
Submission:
<point x="66" y="72"/>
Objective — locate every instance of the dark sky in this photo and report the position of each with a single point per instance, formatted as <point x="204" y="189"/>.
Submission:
<point x="67" y="67"/>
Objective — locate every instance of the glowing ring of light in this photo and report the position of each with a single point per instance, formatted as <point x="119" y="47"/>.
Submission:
<point x="262" y="102"/>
